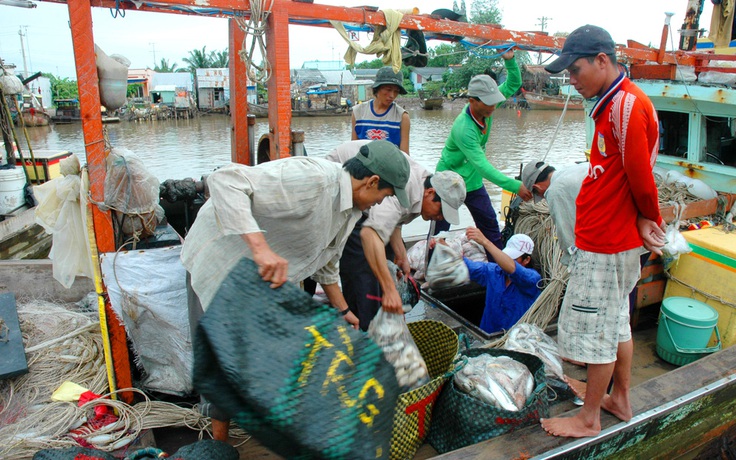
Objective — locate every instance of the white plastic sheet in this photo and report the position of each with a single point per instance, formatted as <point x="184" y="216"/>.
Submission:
<point x="61" y="211"/>
<point x="148" y="293"/>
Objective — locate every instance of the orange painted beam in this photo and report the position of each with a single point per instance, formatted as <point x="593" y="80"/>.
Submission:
<point x="80" y="19"/>
<point x="239" y="148"/>
<point x="279" y="85"/>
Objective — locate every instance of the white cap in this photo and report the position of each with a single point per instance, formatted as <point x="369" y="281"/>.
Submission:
<point x="450" y="187"/>
<point x="518" y="245"/>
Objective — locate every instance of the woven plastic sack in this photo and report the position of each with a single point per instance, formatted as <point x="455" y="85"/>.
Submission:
<point x="72" y="453"/>
<point x="292" y="373"/>
<point x="438" y="345"/>
<point x="461" y="420"/>
<point x="206" y="449"/>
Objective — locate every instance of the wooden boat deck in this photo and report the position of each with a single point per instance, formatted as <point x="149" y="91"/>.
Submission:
<point x="651" y="388"/>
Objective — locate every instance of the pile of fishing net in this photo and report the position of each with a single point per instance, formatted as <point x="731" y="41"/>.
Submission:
<point x="63" y="344"/>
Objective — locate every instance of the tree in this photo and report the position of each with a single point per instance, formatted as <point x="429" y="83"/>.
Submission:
<point x="165" y="67"/>
<point x="134" y="90"/>
<point x="198" y="60"/>
<point x="445" y="55"/>
<point x="374" y="64"/>
<point x="219" y="59"/>
<point x="62" y="88"/>
<point x="485" y="12"/>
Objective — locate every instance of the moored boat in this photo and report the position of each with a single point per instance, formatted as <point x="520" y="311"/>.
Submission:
<point x="542" y="101"/>
<point x="430" y="101"/>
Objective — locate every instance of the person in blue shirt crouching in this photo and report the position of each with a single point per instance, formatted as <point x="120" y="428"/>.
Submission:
<point x="511" y="284"/>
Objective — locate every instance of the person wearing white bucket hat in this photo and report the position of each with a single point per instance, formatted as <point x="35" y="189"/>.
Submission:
<point x="511" y="284"/>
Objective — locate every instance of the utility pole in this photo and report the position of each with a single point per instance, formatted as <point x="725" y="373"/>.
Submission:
<point x="153" y="46"/>
<point x="542" y="25"/>
<point x="23" y="50"/>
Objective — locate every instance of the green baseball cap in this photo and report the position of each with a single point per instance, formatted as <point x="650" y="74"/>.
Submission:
<point x="390" y="164"/>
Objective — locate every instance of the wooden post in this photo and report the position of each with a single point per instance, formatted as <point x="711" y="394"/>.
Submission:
<point x="279" y="85"/>
<point x="240" y="149"/>
<point x="80" y="19"/>
<point x="665" y="34"/>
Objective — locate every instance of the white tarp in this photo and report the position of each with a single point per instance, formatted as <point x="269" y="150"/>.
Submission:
<point x="153" y="307"/>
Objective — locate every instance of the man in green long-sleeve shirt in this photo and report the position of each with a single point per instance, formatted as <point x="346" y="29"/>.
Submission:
<point x="465" y="149"/>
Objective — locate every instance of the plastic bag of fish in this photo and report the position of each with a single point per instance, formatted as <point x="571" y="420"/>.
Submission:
<point x="528" y="338"/>
<point x="406" y="286"/>
<point x="497" y="380"/>
<point x="389" y="331"/>
<point x="446" y="268"/>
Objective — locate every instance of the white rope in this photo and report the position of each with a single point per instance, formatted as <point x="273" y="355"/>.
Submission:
<point x="256" y="26"/>
<point x="64" y="343"/>
<point x="534" y="220"/>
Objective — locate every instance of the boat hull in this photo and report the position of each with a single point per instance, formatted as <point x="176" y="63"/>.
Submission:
<point x="538" y="101"/>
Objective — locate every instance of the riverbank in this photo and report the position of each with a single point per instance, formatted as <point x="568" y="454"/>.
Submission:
<point x="412" y="103"/>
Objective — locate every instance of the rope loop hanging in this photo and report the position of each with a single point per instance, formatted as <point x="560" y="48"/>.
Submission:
<point x="255" y="26"/>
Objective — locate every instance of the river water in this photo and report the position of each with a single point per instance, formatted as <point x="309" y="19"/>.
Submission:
<point x="176" y="149"/>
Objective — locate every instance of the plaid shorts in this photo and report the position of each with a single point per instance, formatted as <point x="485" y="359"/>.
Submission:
<point x="594" y="317"/>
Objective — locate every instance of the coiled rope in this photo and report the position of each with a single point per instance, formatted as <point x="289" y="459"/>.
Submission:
<point x="535" y="220"/>
<point x="63" y="343"/>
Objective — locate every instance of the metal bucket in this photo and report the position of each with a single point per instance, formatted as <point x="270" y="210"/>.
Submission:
<point x="685" y="328"/>
<point x="12" y="185"/>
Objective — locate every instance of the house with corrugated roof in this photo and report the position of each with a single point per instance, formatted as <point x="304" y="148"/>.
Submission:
<point x="213" y="88"/>
<point x="143" y="77"/>
<point x="172" y="88"/>
<point x="420" y="75"/>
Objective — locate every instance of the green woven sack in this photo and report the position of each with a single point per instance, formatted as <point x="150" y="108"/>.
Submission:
<point x="72" y="453"/>
<point x="460" y="420"/>
<point x="291" y="371"/>
<point x="438" y="346"/>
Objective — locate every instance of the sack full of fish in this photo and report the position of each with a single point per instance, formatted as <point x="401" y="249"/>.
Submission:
<point x="493" y="392"/>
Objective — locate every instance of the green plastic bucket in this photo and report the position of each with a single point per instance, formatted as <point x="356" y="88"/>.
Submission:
<point x="685" y="328"/>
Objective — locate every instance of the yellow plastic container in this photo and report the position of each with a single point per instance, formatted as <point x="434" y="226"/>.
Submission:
<point x="708" y="274"/>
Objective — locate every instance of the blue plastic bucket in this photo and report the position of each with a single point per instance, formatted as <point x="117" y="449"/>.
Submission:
<point x="685" y="328"/>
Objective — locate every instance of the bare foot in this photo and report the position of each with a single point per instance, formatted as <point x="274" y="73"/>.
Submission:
<point x="572" y="427"/>
<point x="578" y="387"/>
<point x="620" y="410"/>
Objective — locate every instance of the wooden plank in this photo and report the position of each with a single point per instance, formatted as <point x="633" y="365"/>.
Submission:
<point x="700" y="208"/>
<point x="12" y="353"/>
<point x="239" y="147"/>
<point x="655" y="392"/>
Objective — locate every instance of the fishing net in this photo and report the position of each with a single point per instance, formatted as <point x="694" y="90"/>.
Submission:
<point x="438" y="345"/>
<point x="292" y="372"/>
<point x="72" y="453"/>
<point x="132" y="192"/>
<point x="207" y="449"/>
<point x="461" y="420"/>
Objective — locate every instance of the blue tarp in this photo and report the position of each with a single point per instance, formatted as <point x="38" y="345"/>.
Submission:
<point x="324" y="91"/>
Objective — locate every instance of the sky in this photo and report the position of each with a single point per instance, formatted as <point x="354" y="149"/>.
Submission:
<point x="145" y="37"/>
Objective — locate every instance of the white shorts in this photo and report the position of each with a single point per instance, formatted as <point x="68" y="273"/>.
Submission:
<point x="594" y="317"/>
